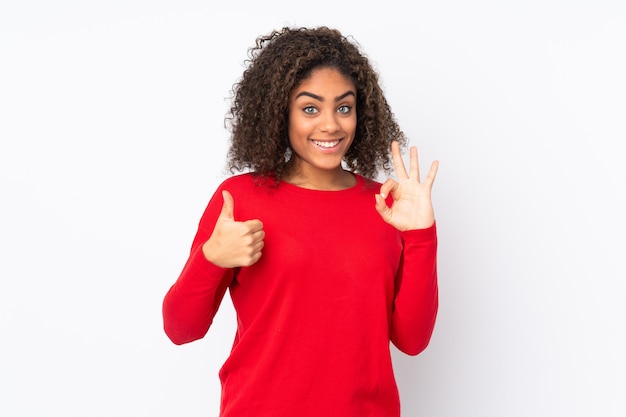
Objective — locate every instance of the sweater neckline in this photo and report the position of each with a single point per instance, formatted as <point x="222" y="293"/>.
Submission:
<point x="360" y="181"/>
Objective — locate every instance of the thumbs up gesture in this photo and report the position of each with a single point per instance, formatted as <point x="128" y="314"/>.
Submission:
<point x="234" y="244"/>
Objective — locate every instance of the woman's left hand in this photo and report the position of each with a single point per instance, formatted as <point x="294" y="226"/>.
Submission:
<point x="412" y="205"/>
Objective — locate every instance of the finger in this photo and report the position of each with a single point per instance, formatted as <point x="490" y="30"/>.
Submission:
<point x="414" y="166"/>
<point x="388" y="187"/>
<point x="228" y="208"/>
<point x="255" y="254"/>
<point x="432" y="173"/>
<point x="255" y="258"/>
<point x="254" y="225"/>
<point x="382" y="208"/>
<point x="398" y="163"/>
<point x="258" y="236"/>
<point x="258" y="246"/>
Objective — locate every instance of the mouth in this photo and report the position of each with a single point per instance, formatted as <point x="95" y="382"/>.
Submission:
<point x="326" y="144"/>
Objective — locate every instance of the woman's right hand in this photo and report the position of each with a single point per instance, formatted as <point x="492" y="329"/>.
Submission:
<point x="233" y="244"/>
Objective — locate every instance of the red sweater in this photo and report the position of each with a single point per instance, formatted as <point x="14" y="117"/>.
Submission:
<point x="316" y="313"/>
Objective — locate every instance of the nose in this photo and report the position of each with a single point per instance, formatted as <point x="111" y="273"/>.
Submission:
<point x="329" y="122"/>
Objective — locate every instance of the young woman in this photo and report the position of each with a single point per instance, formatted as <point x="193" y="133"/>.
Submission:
<point x="324" y="265"/>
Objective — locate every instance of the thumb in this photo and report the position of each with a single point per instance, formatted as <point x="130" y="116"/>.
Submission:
<point x="382" y="208"/>
<point x="228" y="208"/>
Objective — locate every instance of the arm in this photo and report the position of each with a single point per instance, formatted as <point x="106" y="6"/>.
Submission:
<point x="191" y="303"/>
<point x="416" y="298"/>
<point x="411" y="212"/>
<point x="221" y="245"/>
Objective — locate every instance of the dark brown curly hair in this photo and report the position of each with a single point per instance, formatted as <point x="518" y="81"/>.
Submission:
<point x="258" y="117"/>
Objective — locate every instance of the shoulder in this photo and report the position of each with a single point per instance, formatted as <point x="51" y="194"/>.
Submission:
<point x="367" y="185"/>
<point x="244" y="182"/>
<point x="249" y="185"/>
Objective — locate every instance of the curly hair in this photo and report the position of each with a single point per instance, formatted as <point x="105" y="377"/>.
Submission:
<point x="278" y="63"/>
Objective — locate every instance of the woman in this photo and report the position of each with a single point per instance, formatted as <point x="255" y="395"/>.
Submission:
<point x="324" y="265"/>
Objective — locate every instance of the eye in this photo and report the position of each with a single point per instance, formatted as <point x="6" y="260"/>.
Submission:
<point x="310" y="110"/>
<point x="345" y="109"/>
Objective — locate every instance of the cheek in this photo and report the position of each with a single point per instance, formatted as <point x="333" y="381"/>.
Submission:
<point x="349" y="125"/>
<point x="299" y="126"/>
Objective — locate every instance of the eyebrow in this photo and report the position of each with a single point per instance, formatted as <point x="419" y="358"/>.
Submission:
<point x="316" y="97"/>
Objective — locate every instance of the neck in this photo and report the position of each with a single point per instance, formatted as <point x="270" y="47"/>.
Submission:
<point x="324" y="180"/>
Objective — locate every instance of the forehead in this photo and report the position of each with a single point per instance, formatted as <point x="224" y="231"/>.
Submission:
<point x="325" y="78"/>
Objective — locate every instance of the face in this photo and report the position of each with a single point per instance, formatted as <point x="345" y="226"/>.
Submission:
<point x="322" y="121"/>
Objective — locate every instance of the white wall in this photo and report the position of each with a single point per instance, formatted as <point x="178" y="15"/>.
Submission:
<point x="112" y="141"/>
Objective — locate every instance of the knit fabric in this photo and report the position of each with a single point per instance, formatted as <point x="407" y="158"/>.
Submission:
<point x="316" y="314"/>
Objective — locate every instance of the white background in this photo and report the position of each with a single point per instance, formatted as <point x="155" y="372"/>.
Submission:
<point x="112" y="142"/>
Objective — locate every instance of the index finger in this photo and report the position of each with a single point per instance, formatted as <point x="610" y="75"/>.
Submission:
<point x="254" y="225"/>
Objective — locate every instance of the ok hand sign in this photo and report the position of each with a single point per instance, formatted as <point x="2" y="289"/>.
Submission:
<point x="412" y="206"/>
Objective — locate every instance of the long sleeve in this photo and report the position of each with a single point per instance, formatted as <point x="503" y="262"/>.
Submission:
<point x="191" y="303"/>
<point x="416" y="300"/>
<point x="315" y="314"/>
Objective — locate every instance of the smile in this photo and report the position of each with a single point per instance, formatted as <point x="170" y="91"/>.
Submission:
<point x="326" y="144"/>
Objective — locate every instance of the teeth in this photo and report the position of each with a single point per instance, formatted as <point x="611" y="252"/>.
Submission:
<point x="326" y="144"/>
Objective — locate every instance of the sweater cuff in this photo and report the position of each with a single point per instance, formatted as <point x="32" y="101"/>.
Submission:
<point x="420" y="235"/>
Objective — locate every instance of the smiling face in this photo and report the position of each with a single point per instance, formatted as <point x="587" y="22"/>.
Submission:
<point x="322" y="125"/>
